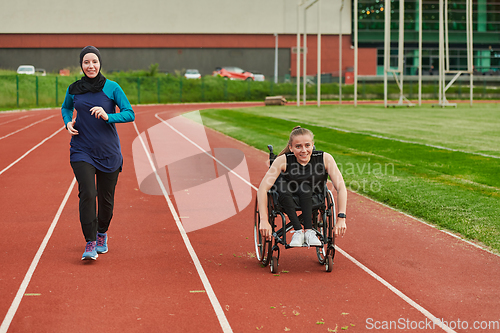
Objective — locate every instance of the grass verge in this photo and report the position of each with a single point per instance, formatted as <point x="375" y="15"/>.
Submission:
<point x="146" y="87"/>
<point x="455" y="190"/>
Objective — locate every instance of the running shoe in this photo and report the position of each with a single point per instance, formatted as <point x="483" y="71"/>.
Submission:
<point x="311" y="239"/>
<point x="90" y="252"/>
<point x="297" y="238"/>
<point x="102" y="243"/>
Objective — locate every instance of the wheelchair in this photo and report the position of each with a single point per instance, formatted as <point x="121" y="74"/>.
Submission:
<point x="323" y="222"/>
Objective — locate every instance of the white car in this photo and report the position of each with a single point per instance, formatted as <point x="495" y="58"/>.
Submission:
<point x="192" y="74"/>
<point x="258" y="76"/>
<point x="26" y="69"/>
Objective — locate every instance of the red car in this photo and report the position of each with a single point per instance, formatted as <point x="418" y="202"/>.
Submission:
<point x="233" y="73"/>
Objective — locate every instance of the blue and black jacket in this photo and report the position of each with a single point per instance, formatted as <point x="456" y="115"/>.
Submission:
<point x="97" y="141"/>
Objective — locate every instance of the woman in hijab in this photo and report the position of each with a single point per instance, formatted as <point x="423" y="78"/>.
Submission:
<point x="95" y="152"/>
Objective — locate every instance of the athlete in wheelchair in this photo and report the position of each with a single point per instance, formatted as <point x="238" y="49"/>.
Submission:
<point x="296" y="181"/>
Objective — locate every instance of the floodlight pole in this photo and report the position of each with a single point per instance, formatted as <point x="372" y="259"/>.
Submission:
<point x="444" y="53"/>
<point x="401" y="46"/>
<point x="318" y="83"/>
<point x="387" y="44"/>
<point x="304" y="65"/>
<point x="420" y="52"/>
<point x="276" y="59"/>
<point x="470" y="50"/>
<point x="355" y="53"/>
<point x="340" y="51"/>
<point x="447" y="40"/>
<point x="298" y="51"/>
<point x="441" y="52"/>
<point x="305" y="50"/>
<point x="387" y="48"/>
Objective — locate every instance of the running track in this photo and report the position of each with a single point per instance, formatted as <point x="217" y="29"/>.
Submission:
<point x="389" y="266"/>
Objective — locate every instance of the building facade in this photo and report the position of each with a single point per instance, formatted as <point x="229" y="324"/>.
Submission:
<point x="176" y="34"/>
<point x="486" y="34"/>
<point x="179" y="35"/>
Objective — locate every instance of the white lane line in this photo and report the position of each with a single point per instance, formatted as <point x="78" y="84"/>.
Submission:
<point x="27" y="278"/>
<point x="22" y="129"/>
<point x="10" y="121"/>
<point x="357" y="263"/>
<point x="435" y="227"/>
<point x="224" y="323"/>
<point x="29" y="151"/>
<point x="408" y="300"/>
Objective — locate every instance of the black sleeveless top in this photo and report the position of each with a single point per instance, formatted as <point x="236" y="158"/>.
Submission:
<point x="314" y="172"/>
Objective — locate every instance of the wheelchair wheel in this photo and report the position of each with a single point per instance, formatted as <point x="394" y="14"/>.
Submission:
<point x="325" y="224"/>
<point x="262" y="247"/>
<point x="329" y="263"/>
<point x="274" y="265"/>
<point x="320" y="226"/>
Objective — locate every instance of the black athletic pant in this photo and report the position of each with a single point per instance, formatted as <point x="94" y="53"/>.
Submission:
<point x="93" y="183"/>
<point x="304" y="192"/>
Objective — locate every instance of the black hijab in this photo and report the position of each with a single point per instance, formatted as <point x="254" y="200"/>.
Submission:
<point x="86" y="84"/>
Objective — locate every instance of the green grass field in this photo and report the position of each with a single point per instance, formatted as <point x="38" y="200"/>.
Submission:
<point x="439" y="165"/>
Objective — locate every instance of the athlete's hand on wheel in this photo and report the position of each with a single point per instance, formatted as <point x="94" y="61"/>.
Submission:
<point x="266" y="230"/>
<point x="99" y="112"/>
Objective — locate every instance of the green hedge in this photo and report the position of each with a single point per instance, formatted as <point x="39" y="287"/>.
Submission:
<point x="26" y="91"/>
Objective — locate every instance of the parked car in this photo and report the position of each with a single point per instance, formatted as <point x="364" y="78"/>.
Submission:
<point x="257" y="76"/>
<point x="26" y="69"/>
<point x="192" y="74"/>
<point x="64" y="72"/>
<point x="233" y="73"/>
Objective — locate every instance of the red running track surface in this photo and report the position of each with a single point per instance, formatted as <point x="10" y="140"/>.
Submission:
<point x="149" y="283"/>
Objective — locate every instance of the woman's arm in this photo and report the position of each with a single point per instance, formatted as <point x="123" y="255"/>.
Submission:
<point x="67" y="108"/>
<point x="67" y="113"/>
<point x="267" y="182"/>
<point x="338" y="183"/>
<point x="126" y="113"/>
